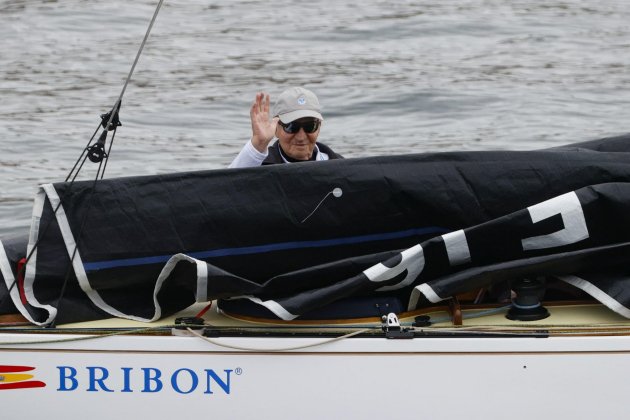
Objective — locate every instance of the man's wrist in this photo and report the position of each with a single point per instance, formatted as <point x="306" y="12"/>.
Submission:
<point x="261" y="154"/>
<point x="260" y="144"/>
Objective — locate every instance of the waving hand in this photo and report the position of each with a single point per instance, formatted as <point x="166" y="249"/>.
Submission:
<point x="263" y="128"/>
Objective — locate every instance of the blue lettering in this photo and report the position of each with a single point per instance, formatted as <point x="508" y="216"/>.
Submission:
<point x="126" y="379"/>
<point x="100" y="380"/>
<point x="183" y="381"/>
<point x="193" y="377"/>
<point x="64" y="376"/>
<point x="212" y="376"/>
<point x="152" y="375"/>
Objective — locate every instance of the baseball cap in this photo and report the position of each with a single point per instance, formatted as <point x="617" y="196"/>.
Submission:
<point x="295" y="103"/>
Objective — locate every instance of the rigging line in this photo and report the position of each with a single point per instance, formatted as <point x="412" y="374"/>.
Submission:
<point x="76" y="243"/>
<point x="74" y="177"/>
<point x="66" y="193"/>
<point x="203" y="311"/>
<point x="111" y="143"/>
<point x="276" y="350"/>
<point x="43" y="231"/>
<point x="133" y="66"/>
<point x="111" y="118"/>
<point x="142" y="331"/>
<point x="336" y="192"/>
<point x="81" y="155"/>
<point x="86" y="337"/>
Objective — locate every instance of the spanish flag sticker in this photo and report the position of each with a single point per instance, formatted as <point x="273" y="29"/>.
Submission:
<point x="13" y="377"/>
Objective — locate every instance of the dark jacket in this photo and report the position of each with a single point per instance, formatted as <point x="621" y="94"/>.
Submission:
<point x="275" y="156"/>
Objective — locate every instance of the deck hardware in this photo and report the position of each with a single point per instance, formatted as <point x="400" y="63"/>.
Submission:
<point x="183" y="324"/>
<point x="455" y="310"/>
<point x="383" y="310"/>
<point x="391" y="327"/>
<point x="110" y="122"/>
<point x="526" y="306"/>
<point x="421" y="321"/>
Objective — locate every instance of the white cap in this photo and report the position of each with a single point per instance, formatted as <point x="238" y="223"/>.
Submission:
<point x="295" y="103"/>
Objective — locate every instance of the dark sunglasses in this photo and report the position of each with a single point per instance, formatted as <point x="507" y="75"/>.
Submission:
<point x="293" y="127"/>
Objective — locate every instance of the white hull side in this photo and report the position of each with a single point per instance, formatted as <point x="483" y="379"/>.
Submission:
<point x="432" y="378"/>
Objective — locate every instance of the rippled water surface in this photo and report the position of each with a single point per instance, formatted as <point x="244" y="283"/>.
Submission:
<point x="393" y="77"/>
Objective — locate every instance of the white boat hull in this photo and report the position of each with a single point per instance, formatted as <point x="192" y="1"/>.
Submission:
<point x="432" y="378"/>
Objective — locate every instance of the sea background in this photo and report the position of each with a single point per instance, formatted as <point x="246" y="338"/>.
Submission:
<point x="393" y="77"/>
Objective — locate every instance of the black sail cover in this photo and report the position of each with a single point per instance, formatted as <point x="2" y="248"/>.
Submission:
<point x="295" y="238"/>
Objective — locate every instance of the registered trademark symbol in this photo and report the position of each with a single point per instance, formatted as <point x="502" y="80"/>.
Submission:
<point x="238" y="371"/>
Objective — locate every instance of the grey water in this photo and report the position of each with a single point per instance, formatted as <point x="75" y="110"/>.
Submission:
<point x="393" y="77"/>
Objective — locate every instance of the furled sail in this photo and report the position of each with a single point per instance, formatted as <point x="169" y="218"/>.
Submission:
<point x="421" y="226"/>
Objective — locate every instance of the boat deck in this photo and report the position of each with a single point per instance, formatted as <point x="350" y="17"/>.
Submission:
<point x="566" y="318"/>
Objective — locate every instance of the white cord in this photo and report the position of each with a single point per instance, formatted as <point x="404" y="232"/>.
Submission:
<point x="337" y="192"/>
<point x="253" y="349"/>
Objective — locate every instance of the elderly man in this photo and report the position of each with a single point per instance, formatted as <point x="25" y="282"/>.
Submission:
<point x="296" y="123"/>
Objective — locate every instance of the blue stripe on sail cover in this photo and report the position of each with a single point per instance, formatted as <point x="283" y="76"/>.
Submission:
<point x="93" y="266"/>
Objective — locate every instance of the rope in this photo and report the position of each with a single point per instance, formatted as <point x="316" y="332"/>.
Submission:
<point x="278" y="350"/>
<point x="133" y="66"/>
<point x="481" y="331"/>
<point x="84" y="337"/>
<point x="163" y="327"/>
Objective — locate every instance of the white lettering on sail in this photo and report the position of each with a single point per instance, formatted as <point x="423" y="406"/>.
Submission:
<point x="569" y="207"/>
<point x="412" y="260"/>
<point x="456" y="247"/>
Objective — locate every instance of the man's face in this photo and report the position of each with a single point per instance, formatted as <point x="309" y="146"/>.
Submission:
<point x="300" y="144"/>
